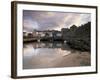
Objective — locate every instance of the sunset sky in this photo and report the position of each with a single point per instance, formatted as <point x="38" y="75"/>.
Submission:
<point x="43" y="20"/>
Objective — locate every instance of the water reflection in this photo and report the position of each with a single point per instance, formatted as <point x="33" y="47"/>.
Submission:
<point x="50" y="55"/>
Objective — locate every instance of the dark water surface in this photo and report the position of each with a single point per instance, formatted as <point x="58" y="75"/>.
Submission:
<point x="52" y="55"/>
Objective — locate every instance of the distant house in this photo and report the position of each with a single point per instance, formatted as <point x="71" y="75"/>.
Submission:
<point x="48" y="33"/>
<point x="38" y="34"/>
<point x="27" y="34"/>
<point x="57" y="35"/>
<point x="30" y="35"/>
<point x="35" y="34"/>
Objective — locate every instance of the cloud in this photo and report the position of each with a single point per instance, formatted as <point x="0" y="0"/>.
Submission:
<point x="30" y="25"/>
<point x="43" y="20"/>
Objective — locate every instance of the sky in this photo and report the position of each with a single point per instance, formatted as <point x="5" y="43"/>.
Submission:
<point x="46" y="20"/>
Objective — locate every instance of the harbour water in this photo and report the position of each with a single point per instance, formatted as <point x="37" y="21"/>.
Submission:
<point x="52" y="55"/>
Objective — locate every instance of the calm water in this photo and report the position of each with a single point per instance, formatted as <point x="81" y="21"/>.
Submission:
<point x="50" y="55"/>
